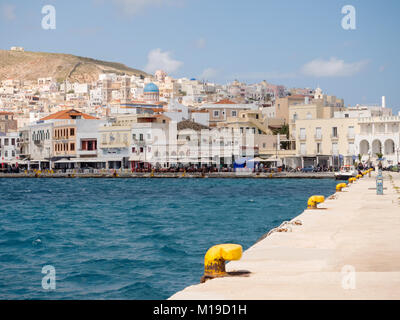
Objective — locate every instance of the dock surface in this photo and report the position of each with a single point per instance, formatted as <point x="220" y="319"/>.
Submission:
<point x="348" y="249"/>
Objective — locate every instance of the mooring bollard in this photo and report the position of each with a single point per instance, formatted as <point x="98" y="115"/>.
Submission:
<point x="314" y="200"/>
<point x="379" y="183"/>
<point x="214" y="260"/>
<point x="340" y="186"/>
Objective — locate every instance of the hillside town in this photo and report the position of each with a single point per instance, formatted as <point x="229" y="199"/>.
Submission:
<point x="158" y="122"/>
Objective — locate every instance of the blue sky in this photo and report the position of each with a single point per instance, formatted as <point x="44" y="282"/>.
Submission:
<point x="289" y="42"/>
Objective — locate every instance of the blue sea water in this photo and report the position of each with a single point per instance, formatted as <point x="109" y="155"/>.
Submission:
<point x="132" y="238"/>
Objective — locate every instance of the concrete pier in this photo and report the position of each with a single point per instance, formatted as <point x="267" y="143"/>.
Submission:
<point x="349" y="249"/>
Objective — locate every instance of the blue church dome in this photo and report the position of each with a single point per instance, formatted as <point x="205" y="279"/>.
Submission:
<point x="151" y="88"/>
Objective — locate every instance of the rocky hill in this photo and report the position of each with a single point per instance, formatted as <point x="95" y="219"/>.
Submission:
<point x="32" y="65"/>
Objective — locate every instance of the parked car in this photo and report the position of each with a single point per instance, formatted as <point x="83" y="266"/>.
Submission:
<point x="308" y="169"/>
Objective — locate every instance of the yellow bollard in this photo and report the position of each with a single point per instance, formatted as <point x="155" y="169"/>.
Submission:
<point x="314" y="200"/>
<point x="358" y="176"/>
<point x="214" y="260"/>
<point x="340" y="186"/>
<point x="351" y="180"/>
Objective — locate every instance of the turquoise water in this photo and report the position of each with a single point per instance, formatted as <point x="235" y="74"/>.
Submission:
<point x="132" y="238"/>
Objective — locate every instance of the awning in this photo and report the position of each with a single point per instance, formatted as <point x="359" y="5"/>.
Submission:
<point x="63" y="160"/>
<point x="258" y="159"/>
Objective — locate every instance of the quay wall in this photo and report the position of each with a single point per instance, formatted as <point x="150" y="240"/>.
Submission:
<point x="349" y="248"/>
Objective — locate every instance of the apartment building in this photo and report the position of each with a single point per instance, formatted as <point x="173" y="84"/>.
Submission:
<point x="326" y="142"/>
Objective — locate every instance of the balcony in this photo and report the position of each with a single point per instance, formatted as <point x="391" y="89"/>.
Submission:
<point x="87" y="152"/>
<point x="334" y="137"/>
<point x="302" y="137"/>
<point x="351" y="136"/>
<point x="318" y="137"/>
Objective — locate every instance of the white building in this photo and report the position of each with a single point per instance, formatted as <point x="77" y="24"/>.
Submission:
<point x="379" y="135"/>
<point x="9" y="148"/>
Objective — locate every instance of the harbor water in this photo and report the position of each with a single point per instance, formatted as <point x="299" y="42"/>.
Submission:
<point x="132" y="238"/>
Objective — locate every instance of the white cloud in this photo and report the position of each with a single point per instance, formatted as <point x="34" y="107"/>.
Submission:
<point x="157" y="59"/>
<point x="209" y="73"/>
<point x="332" y="68"/>
<point x="132" y="7"/>
<point x="201" y="43"/>
<point x="8" y="12"/>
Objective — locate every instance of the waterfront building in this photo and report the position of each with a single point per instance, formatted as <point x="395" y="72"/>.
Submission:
<point x="328" y="142"/>
<point x="115" y="140"/>
<point x="150" y="142"/>
<point x="379" y="135"/>
<point x="36" y="144"/>
<point x="9" y="148"/>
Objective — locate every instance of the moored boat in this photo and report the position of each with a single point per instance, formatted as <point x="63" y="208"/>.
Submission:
<point x="346" y="172"/>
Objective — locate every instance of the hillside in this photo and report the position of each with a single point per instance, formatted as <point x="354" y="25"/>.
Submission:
<point x="32" y="65"/>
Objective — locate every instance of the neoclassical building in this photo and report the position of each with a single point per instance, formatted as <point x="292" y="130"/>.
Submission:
<point x="379" y="135"/>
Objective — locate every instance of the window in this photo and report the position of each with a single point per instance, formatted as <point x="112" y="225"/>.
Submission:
<point x="334" y="132"/>
<point x="72" y="147"/>
<point x="6" y="142"/>
<point x="141" y="137"/>
<point x="216" y="113"/>
<point x="335" y="149"/>
<point x="13" y="142"/>
<point x="133" y="150"/>
<point x="302" y="133"/>
<point x="318" y="148"/>
<point x="309" y="116"/>
<point x="351" y="132"/>
<point x="303" y="148"/>
<point x="141" y="149"/>
<point x="346" y="115"/>
<point x="13" y="153"/>
<point x="134" y="136"/>
<point x="351" y="148"/>
<point x="318" y="133"/>
<point x="234" y="113"/>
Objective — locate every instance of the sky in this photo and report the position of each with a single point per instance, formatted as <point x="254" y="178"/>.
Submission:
<point x="289" y="42"/>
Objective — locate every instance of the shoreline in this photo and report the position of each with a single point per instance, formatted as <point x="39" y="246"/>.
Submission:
<point x="219" y="175"/>
<point x="355" y="233"/>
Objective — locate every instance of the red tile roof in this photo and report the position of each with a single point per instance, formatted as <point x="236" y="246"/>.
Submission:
<point x="225" y="101"/>
<point x="68" y="114"/>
